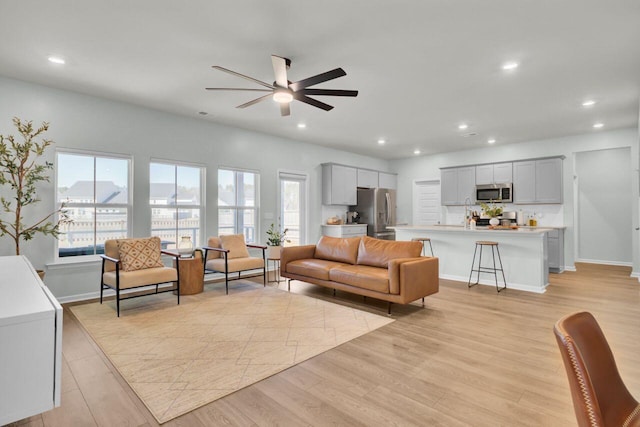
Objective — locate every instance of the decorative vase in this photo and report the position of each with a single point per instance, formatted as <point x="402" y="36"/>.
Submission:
<point x="494" y="221"/>
<point x="185" y="247"/>
<point x="273" y="252"/>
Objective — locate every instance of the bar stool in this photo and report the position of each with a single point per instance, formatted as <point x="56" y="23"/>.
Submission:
<point x="424" y="248"/>
<point x="481" y="269"/>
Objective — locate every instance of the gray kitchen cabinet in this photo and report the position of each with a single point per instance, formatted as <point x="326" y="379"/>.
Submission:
<point x="388" y="180"/>
<point x="339" y="184"/>
<point x="449" y="187"/>
<point x="537" y="181"/>
<point x="555" y="245"/>
<point x="457" y="184"/>
<point x="367" y="178"/>
<point x="502" y="173"/>
<point x="498" y="173"/>
<point x="549" y="180"/>
<point x="524" y="182"/>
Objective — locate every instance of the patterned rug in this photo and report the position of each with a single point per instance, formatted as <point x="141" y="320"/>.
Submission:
<point x="180" y="357"/>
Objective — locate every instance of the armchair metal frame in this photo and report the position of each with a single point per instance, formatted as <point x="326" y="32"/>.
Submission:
<point x="225" y="253"/>
<point x="116" y="261"/>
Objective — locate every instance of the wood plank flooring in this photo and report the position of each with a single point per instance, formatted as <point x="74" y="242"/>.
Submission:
<point x="469" y="358"/>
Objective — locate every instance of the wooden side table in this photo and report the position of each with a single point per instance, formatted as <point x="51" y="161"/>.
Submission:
<point x="191" y="274"/>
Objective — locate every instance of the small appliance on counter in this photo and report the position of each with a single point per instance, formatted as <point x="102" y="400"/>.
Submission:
<point x="352" y="217"/>
<point x="494" y="193"/>
<point x="506" y="219"/>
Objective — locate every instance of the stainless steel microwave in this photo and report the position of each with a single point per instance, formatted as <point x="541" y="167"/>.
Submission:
<point x="497" y="193"/>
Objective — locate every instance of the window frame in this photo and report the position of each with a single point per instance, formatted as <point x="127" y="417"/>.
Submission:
<point x="238" y="208"/>
<point x="201" y="206"/>
<point x="95" y="206"/>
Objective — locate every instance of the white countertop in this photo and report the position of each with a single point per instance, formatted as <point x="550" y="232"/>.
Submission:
<point x="460" y="229"/>
<point x="343" y="225"/>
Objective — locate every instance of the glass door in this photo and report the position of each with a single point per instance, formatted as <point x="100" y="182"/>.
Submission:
<point x="293" y="207"/>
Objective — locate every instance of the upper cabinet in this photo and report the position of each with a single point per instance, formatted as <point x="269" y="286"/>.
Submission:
<point x="367" y="178"/>
<point x="339" y="185"/>
<point x="388" y="180"/>
<point x="538" y="181"/>
<point x="499" y="173"/>
<point x="457" y="185"/>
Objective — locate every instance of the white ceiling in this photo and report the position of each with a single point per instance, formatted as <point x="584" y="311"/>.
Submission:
<point x="421" y="66"/>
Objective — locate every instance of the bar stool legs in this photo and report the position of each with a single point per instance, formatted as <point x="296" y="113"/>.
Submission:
<point x="494" y="270"/>
<point x="424" y="247"/>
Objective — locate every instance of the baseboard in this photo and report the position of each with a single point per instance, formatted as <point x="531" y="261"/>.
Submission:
<point x="486" y="282"/>
<point x="570" y="268"/>
<point x="603" y="262"/>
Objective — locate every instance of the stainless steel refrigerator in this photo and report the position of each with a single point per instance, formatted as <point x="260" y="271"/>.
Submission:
<point x="377" y="208"/>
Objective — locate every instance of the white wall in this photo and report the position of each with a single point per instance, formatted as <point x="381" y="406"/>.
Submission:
<point x="428" y="167"/>
<point x="603" y="205"/>
<point x="86" y="122"/>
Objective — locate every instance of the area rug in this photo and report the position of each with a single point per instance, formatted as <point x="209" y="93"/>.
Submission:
<point x="180" y="357"/>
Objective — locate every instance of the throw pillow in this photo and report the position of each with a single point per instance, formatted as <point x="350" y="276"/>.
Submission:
<point x="139" y="254"/>
<point x="235" y="244"/>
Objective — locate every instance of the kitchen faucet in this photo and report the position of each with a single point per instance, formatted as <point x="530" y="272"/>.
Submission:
<point x="467" y="209"/>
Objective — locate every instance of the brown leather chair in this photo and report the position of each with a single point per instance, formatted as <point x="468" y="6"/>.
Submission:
<point x="600" y="398"/>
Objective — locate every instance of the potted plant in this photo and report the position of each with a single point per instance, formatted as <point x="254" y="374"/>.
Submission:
<point x="21" y="170"/>
<point x="275" y="238"/>
<point x="492" y="211"/>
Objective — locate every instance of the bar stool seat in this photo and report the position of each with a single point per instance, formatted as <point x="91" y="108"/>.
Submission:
<point x="482" y="269"/>
<point x="424" y="248"/>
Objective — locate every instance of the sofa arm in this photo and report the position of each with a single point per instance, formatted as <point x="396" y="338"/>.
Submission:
<point x="292" y="253"/>
<point x="414" y="278"/>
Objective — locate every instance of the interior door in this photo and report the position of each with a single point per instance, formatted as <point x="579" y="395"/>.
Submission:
<point x="292" y="210"/>
<point x="426" y="203"/>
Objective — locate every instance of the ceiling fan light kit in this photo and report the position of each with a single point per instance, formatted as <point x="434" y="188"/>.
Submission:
<point x="284" y="92"/>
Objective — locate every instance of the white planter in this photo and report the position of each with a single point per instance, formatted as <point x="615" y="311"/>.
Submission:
<point x="273" y="252"/>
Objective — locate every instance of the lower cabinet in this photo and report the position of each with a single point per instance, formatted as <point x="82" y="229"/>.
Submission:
<point x="555" y="244"/>
<point x="345" y="230"/>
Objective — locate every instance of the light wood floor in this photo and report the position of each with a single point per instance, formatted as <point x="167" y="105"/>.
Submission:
<point x="470" y="357"/>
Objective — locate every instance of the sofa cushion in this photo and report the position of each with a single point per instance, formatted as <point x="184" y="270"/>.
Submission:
<point x="147" y="276"/>
<point x="362" y="276"/>
<point x="338" y="249"/>
<point x="235" y="244"/>
<point x="378" y="253"/>
<point x="235" y="264"/>
<point x="139" y="254"/>
<point x="316" y="268"/>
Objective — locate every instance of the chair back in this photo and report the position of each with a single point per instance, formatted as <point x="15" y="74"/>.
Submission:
<point x="213" y="242"/>
<point x="600" y="398"/>
<point x="111" y="250"/>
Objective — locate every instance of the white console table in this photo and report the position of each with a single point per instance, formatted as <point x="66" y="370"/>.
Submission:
<point x="30" y="342"/>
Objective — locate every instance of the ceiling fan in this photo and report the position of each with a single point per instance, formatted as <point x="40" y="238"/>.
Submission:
<point x="283" y="91"/>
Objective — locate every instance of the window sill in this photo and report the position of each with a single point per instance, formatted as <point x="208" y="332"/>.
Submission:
<point x="86" y="261"/>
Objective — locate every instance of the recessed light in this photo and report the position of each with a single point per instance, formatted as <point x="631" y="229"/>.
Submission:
<point x="463" y="126"/>
<point x="301" y="125"/>
<point x="491" y="141"/>
<point x="381" y="141"/>
<point x="588" y="103"/>
<point x="508" y="66"/>
<point x="416" y="151"/>
<point x="598" y="125"/>
<point x="56" y="60"/>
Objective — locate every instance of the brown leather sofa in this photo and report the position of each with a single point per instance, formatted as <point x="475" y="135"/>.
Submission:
<point x="392" y="271"/>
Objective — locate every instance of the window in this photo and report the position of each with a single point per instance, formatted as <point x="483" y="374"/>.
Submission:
<point x="95" y="190"/>
<point x="175" y="197"/>
<point x="293" y="202"/>
<point x="237" y="203"/>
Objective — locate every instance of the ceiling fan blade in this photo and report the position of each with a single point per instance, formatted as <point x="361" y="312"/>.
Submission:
<point x="280" y="70"/>
<point x="285" y="109"/>
<point x="329" y="92"/>
<point x="300" y="97"/>
<point x="317" y="79"/>
<point x="217" y="67"/>
<point x="238" y="88"/>
<point x="255" y="101"/>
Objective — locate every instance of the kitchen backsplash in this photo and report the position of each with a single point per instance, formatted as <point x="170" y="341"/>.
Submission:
<point x="547" y="215"/>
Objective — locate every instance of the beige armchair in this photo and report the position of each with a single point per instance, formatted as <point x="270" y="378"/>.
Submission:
<point x="229" y="254"/>
<point x="135" y="263"/>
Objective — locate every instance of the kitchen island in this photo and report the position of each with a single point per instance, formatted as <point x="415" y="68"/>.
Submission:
<point x="523" y="251"/>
